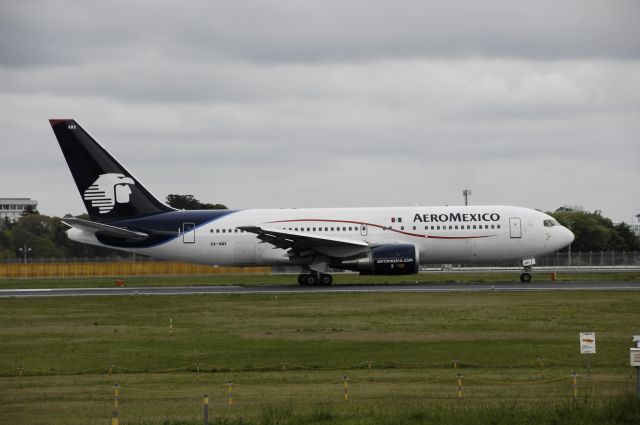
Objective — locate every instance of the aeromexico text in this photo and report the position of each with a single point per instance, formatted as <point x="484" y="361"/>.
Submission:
<point x="455" y="217"/>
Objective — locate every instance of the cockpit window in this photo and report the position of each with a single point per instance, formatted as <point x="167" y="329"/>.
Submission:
<point x="551" y="223"/>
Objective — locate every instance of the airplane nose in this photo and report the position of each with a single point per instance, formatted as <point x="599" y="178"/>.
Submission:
<point x="569" y="236"/>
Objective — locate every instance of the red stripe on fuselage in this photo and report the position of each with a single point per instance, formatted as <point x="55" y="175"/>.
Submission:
<point x="417" y="235"/>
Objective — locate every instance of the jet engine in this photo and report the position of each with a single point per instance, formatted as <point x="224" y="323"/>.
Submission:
<point x="395" y="259"/>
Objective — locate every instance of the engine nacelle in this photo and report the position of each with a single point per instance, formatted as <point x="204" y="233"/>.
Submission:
<point x="395" y="259"/>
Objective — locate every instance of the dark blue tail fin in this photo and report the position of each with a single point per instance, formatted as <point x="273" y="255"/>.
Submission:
<point x="108" y="190"/>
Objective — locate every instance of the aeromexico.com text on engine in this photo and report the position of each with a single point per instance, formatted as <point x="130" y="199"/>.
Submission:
<point x="455" y="217"/>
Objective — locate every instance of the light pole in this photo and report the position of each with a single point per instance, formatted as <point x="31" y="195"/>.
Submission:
<point x="466" y="193"/>
<point x="24" y="252"/>
<point x="569" y="224"/>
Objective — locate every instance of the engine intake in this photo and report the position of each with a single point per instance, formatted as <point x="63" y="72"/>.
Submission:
<point x="396" y="259"/>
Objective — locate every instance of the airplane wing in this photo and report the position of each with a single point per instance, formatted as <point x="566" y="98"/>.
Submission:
<point x="103" y="229"/>
<point x="301" y="244"/>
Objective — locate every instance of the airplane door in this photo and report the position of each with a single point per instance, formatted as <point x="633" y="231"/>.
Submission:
<point x="188" y="232"/>
<point x="363" y="230"/>
<point x="515" y="228"/>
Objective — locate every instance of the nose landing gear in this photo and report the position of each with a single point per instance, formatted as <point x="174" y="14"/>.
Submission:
<point x="315" y="278"/>
<point x="525" y="276"/>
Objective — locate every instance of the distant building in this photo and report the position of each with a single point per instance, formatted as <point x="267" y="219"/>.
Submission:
<point x="14" y="207"/>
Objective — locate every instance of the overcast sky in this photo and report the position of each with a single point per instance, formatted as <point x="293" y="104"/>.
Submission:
<point x="330" y="103"/>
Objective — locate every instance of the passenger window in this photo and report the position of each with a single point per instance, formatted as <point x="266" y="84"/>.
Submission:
<point x="332" y="229"/>
<point x="498" y="226"/>
<point x="223" y="230"/>
<point x="438" y="227"/>
<point x="456" y="227"/>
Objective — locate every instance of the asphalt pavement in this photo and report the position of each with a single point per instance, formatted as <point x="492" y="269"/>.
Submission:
<point x="291" y="289"/>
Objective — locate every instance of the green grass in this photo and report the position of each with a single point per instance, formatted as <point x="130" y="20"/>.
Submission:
<point x="291" y="279"/>
<point x="65" y="345"/>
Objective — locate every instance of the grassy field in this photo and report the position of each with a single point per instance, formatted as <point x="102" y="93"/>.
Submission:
<point x="286" y="356"/>
<point x="291" y="279"/>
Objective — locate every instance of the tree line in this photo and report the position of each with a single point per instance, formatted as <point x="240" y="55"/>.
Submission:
<point x="44" y="236"/>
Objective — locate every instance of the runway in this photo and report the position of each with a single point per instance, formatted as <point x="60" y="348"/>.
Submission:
<point x="290" y="289"/>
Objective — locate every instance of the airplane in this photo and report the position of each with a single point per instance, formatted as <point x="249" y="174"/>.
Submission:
<point x="125" y="216"/>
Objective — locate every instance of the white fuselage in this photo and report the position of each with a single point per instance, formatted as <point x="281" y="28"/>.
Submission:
<point x="445" y="234"/>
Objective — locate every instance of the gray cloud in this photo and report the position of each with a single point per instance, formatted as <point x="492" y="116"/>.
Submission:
<point x="290" y="103"/>
<point x="37" y="33"/>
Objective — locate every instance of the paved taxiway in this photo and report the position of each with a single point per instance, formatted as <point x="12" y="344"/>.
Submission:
<point x="291" y="289"/>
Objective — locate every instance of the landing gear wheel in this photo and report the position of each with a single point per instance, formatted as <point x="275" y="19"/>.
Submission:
<point x="302" y="279"/>
<point x="311" y="279"/>
<point x="525" y="277"/>
<point x="326" y="279"/>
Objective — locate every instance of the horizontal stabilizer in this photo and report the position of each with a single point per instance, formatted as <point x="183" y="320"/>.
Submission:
<point x="103" y="229"/>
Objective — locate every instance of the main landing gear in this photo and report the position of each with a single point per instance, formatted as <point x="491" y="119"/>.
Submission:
<point x="315" y="278"/>
<point x="525" y="276"/>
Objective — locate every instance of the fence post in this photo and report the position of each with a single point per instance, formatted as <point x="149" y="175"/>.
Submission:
<point x="541" y="362"/>
<point x="230" y="392"/>
<point x="574" y="383"/>
<point x="20" y="368"/>
<point x="116" y="393"/>
<point x="455" y="363"/>
<point x="460" y="386"/>
<point x="198" y="367"/>
<point x="170" y="325"/>
<point x="284" y="366"/>
<point x="369" y="362"/>
<point x="205" y="408"/>
<point x="114" y="417"/>
<point x="110" y="369"/>
<point x="346" y="387"/>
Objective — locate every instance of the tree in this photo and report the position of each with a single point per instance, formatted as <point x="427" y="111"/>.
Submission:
<point x="29" y="209"/>
<point x="594" y="232"/>
<point x="189" y="202"/>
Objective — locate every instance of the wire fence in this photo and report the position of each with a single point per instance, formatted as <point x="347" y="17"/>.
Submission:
<point x="576" y="260"/>
<point x="118" y="268"/>
<point x="349" y="389"/>
<point x="454" y="380"/>
<point x="145" y="266"/>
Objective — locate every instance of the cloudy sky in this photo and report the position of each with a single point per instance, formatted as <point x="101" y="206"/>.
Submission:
<point x="330" y="103"/>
